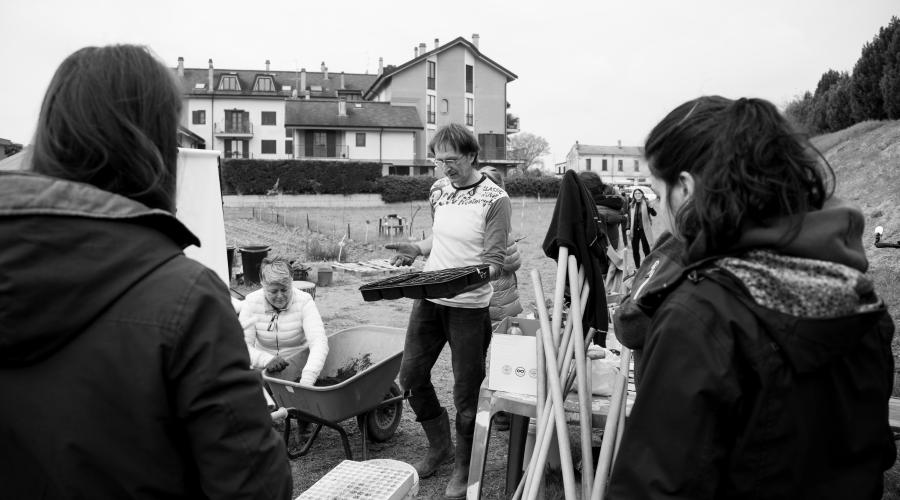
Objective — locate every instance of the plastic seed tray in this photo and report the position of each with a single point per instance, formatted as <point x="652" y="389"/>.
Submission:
<point x="362" y="481"/>
<point x="439" y="284"/>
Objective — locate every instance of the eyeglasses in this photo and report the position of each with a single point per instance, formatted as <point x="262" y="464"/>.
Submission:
<point x="449" y="162"/>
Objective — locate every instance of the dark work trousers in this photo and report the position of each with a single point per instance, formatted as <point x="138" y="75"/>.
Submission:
<point x="639" y="238"/>
<point x="431" y="326"/>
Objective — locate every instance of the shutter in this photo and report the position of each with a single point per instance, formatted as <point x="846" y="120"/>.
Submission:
<point x="309" y="142"/>
<point x="246" y="150"/>
<point x="330" y="142"/>
<point x="227" y="148"/>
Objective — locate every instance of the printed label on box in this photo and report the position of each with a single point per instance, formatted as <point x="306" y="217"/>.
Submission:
<point x="513" y="364"/>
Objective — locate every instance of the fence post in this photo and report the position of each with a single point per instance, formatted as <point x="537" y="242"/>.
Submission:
<point x="307" y="221"/>
<point x="348" y="230"/>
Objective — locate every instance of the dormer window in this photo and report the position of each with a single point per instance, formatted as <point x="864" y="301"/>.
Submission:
<point x="264" y="84"/>
<point x="229" y="82"/>
<point x="199" y="86"/>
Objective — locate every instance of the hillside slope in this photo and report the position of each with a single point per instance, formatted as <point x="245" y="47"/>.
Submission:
<point x="866" y="163"/>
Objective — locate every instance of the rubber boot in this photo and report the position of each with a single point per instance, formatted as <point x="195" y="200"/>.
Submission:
<point x="440" y="448"/>
<point x="459" y="480"/>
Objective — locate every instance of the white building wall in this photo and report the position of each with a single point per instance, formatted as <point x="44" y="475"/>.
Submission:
<point x="203" y="130"/>
<point x="261" y="132"/>
<point x="368" y="152"/>
<point x="399" y="145"/>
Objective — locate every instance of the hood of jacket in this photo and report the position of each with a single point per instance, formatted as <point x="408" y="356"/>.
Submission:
<point x="70" y="251"/>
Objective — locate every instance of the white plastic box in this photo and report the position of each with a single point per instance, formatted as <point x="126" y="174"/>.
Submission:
<point x="513" y="358"/>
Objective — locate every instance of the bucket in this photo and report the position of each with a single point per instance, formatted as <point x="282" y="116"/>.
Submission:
<point x="229" y="254"/>
<point x="323" y="276"/>
<point x="252" y="257"/>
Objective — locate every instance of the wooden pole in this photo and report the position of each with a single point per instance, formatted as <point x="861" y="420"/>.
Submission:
<point x="561" y="265"/>
<point x="581" y="375"/>
<point x="568" y="470"/>
<point x="609" y="433"/>
<point x="624" y="368"/>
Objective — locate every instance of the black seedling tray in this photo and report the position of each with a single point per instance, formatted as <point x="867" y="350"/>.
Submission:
<point x="439" y="284"/>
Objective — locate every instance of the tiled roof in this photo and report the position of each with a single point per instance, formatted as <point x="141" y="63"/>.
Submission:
<point x="360" y="114"/>
<point x="353" y="82"/>
<point x="386" y="76"/>
<point x="586" y="149"/>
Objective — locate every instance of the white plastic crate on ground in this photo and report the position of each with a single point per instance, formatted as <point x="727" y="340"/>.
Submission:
<point x="381" y="479"/>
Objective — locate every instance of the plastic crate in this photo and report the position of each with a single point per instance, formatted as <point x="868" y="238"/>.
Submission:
<point x="440" y="284"/>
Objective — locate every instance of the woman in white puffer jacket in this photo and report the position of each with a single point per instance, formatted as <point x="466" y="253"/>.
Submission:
<point x="279" y="321"/>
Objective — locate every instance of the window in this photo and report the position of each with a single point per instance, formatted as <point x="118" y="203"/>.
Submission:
<point x="603" y="165"/>
<point x="392" y="170"/>
<point x="469" y="73"/>
<point x="268" y="118"/>
<point x="360" y="139"/>
<point x="637" y="166"/>
<point x="620" y="166"/>
<point x="587" y="164"/>
<point x="268" y="147"/>
<point x="430" y="79"/>
<point x="198" y="117"/>
<point x="289" y="147"/>
<point x="237" y="121"/>
<point x="229" y="82"/>
<point x="470" y="111"/>
<point x="430" y="109"/>
<point x="445" y="106"/>
<point x="424" y="170"/>
<point x="264" y="84"/>
<point x="289" y="133"/>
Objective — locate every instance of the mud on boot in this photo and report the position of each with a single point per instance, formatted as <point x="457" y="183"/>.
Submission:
<point x="440" y="448"/>
<point x="459" y="480"/>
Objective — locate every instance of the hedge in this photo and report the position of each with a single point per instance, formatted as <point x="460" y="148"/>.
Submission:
<point x="544" y="186"/>
<point x="400" y="188"/>
<point x="299" y="177"/>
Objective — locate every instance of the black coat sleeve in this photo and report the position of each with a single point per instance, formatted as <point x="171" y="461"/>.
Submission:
<point x="219" y="401"/>
<point x="675" y="441"/>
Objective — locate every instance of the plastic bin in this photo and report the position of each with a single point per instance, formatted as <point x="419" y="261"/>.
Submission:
<point x="323" y="276"/>
<point x="251" y="257"/>
<point x="229" y="254"/>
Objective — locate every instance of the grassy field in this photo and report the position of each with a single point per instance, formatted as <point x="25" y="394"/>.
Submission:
<point x="864" y="158"/>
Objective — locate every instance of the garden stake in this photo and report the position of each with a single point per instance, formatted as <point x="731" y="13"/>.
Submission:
<point x="568" y="471"/>
<point x="581" y="374"/>
<point x="561" y="265"/>
<point x="604" y="465"/>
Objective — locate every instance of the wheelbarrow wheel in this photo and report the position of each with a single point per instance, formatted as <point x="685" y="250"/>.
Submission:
<point x="383" y="421"/>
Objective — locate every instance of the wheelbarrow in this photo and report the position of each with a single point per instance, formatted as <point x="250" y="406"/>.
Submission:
<point x="362" y="364"/>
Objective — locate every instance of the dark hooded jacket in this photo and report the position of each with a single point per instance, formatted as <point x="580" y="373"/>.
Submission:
<point x="767" y="373"/>
<point x="123" y="368"/>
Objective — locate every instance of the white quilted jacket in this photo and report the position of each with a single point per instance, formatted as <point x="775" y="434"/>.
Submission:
<point x="269" y="334"/>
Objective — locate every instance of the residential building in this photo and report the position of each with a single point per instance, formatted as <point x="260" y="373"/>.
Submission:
<point x="388" y="117"/>
<point x="8" y="148"/>
<point x="617" y="165"/>
<point x="453" y="83"/>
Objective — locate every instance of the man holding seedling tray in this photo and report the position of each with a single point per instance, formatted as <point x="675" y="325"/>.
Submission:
<point x="471" y="222"/>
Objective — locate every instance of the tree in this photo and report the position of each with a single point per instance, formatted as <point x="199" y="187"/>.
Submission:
<point x="865" y="90"/>
<point x="528" y="148"/>
<point x="890" y="79"/>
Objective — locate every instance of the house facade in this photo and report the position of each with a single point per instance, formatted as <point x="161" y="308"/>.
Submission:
<point x="617" y="165"/>
<point x="452" y="83"/>
<point x="388" y="117"/>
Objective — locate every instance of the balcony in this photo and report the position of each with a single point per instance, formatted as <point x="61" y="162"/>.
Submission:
<point x="342" y="152"/>
<point x="230" y="129"/>
<point x="512" y="123"/>
<point x="228" y="155"/>
<point x="470" y="119"/>
<point x="430" y="116"/>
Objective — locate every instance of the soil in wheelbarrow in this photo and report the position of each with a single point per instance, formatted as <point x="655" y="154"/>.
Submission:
<point x="346" y="372"/>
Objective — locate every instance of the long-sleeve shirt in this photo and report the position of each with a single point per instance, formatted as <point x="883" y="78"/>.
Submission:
<point x="269" y="332"/>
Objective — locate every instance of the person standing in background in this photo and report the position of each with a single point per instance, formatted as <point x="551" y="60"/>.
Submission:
<point x="640" y="215"/>
<point x="122" y="363"/>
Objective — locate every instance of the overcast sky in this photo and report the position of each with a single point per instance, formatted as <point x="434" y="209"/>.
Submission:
<point x="595" y="71"/>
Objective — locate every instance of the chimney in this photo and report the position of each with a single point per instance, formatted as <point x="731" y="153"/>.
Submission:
<point x="267" y="65"/>
<point x="422" y="49"/>
<point x="342" y="80"/>
<point x="303" y="80"/>
<point x="380" y="65"/>
<point x="436" y="44"/>
<point x="415" y="52"/>
<point x="209" y="87"/>
<point x="475" y="39"/>
<point x="342" y="107"/>
<point x="620" y="143"/>
<point x="181" y="67"/>
<point x="324" y="70"/>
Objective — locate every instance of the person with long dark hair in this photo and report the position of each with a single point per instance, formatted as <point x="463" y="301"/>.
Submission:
<point x="641" y="225"/>
<point x="122" y="365"/>
<point x="767" y="366"/>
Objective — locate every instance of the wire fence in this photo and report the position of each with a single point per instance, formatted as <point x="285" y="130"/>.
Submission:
<point x="353" y="224"/>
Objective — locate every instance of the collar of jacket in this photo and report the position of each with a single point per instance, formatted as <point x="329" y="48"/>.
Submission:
<point x="28" y="193"/>
<point x="833" y="233"/>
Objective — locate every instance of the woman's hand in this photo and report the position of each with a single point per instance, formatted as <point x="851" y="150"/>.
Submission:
<point x="406" y="253"/>
<point x="276" y="364"/>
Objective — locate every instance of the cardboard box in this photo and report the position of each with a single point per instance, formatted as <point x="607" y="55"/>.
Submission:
<point x="513" y="358"/>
